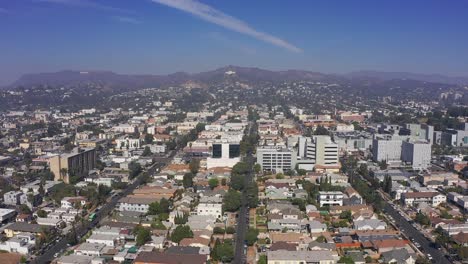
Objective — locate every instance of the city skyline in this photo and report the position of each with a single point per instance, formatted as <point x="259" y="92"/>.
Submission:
<point x="162" y="36"/>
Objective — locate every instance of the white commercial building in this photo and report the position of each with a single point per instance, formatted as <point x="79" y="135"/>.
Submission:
<point x="6" y="214"/>
<point x="386" y="150"/>
<point x="276" y="159"/>
<point x="320" y="149"/>
<point x="224" y="155"/>
<point x="417" y="153"/>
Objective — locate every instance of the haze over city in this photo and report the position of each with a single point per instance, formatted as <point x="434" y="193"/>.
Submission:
<point x="243" y="132"/>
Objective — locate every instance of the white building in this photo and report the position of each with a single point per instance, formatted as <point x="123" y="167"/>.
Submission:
<point x="224" y="155"/>
<point x="320" y="149"/>
<point x="22" y="243"/>
<point x="431" y="198"/>
<point x="127" y="143"/>
<point x="90" y="249"/>
<point x="386" y="150"/>
<point x="125" y="128"/>
<point x="417" y="153"/>
<point x="276" y="159"/>
<point x="6" y="214"/>
<point x="108" y="240"/>
<point x="330" y="198"/>
<point x="210" y="205"/>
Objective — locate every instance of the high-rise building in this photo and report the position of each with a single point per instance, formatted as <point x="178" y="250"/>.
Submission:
<point x="417" y="153"/>
<point x="386" y="149"/>
<point x="78" y="162"/>
<point x="320" y="149"/>
<point x="276" y="159"/>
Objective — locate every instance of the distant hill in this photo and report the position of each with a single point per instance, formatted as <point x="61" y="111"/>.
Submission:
<point x="435" y="78"/>
<point x="111" y="79"/>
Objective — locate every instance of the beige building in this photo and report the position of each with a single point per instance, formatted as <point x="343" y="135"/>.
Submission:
<point x="77" y="162"/>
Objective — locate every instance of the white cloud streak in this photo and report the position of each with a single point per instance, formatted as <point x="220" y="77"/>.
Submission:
<point x="128" y="20"/>
<point x="86" y="4"/>
<point x="217" y="17"/>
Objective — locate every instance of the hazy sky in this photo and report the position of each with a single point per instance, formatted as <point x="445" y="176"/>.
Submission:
<point x="164" y="36"/>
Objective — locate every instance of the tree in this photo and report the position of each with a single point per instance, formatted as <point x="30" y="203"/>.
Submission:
<point x="218" y="230"/>
<point x="181" y="232"/>
<point x="251" y="236"/>
<point x="346" y="260"/>
<point x="149" y="139"/>
<point x="301" y="172"/>
<point x="347" y="215"/>
<point x="237" y="182"/>
<point x="164" y="205"/>
<point x="154" y="208"/>
<point x="387" y="184"/>
<point x="24" y="209"/>
<point x="194" y="166"/>
<point x="230" y="230"/>
<point x="223" y="252"/>
<point x="320" y="130"/>
<point x="187" y="181"/>
<point x="41" y="213"/>
<point x="147" y="152"/>
<point x="181" y="220"/>
<point x="232" y="201"/>
<point x="214" y="182"/>
<point x="143" y="236"/>
<point x="257" y="168"/>
<point x="135" y="169"/>
<point x="262" y="260"/>
<point x="422" y="219"/>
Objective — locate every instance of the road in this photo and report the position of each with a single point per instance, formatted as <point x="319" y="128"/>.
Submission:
<point x="411" y="232"/>
<point x="242" y="225"/>
<point x="61" y="245"/>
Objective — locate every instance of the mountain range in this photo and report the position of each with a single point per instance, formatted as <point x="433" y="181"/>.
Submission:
<point x="242" y="74"/>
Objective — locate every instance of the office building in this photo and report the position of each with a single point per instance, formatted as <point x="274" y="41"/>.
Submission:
<point x="417" y="153"/>
<point x="386" y="149"/>
<point x="320" y="149"/>
<point x="224" y="155"/>
<point x="276" y="159"/>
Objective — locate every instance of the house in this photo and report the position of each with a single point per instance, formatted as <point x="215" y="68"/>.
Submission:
<point x="19" y="227"/>
<point x="399" y="256"/>
<point x="70" y="202"/>
<point x="49" y="222"/>
<point x="370" y="224"/>
<point x="90" y="249"/>
<point x="109" y="240"/>
<point x="461" y="239"/>
<point x="296" y="257"/>
<point x="168" y="258"/>
<point x="431" y="198"/>
<point x="22" y="243"/>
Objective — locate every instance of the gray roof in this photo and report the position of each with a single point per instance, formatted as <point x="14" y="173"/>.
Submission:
<point x="307" y="256"/>
<point x="90" y="247"/>
<point x="398" y="255"/>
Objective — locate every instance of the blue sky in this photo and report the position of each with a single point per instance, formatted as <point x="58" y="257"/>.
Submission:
<point x="164" y="36"/>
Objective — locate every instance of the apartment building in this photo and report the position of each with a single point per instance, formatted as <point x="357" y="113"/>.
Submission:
<point x="79" y="161"/>
<point x="330" y="198"/>
<point x="210" y="205"/>
<point x="431" y="198"/>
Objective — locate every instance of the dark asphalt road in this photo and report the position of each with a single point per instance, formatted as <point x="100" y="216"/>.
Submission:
<point x="242" y="225"/>
<point x="411" y="232"/>
<point x="48" y="256"/>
